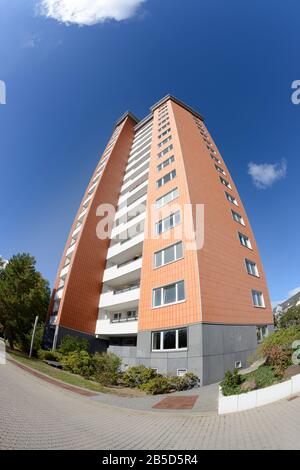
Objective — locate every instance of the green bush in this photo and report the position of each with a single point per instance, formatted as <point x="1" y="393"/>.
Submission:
<point x="264" y="376"/>
<point x="43" y="354"/>
<point x="283" y="337"/>
<point x="71" y="343"/>
<point x="78" y="362"/>
<point x="231" y="383"/>
<point x="25" y="341"/>
<point x="106" y="368"/>
<point x="186" y="382"/>
<point x="138" y="375"/>
<point x="157" y="385"/>
<point x="290" y="318"/>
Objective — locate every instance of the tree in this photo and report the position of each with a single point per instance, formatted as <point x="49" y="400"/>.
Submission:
<point x="290" y="318"/>
<point x="24" y="294"/>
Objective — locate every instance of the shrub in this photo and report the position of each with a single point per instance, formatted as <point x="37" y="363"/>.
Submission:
<point x="78" y="362"/>
<point x="185" y="382"/>
<point x="157" y="385"/>
<point x="264" y="376"/>
<point x="231" y="383"/>
<point x="138" y="375"/>
<point x="283" y="337"/>
<point x="106" y="368"/>
<point x="43" y="354"/>
<point x="25" y="341"/>
<point x="71" y="343"/>
<point x="279" y="358"/>
<point x="290" y="318"/>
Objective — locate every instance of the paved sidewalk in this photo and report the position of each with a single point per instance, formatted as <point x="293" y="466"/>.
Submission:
<point x="206" y="403"/>
<point x="34" y="414"/>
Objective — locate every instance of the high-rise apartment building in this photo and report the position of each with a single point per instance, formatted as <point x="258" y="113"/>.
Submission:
<point x="146" y="292"/>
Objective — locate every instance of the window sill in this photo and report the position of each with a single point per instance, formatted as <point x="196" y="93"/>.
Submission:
<point x="169" y="350"/>
<point x="168" y="305"/>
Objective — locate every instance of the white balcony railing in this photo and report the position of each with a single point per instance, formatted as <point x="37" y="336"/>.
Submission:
<point x="111" y="328"/>
<point x="124" y="211"/>
<point x="122" y="299"/>
<point x="129" y="248"/>
<point x="123" y="270"/>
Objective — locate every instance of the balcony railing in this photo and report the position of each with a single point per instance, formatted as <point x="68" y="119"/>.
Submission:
<point x="124" y="320"/>
<point x="126" y="289"/>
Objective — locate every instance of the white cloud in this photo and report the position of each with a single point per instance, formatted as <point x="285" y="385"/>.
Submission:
<point x="294" y="291"/>
<point x="265" y="174"/>
<point x="89" y="12"/>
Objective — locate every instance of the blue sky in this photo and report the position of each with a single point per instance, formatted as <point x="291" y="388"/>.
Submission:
<point x="68" y="83"/>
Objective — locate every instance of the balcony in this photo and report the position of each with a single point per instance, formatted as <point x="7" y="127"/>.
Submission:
<point x="122" y="299"/>
<point x="121" y="252"/>
<point x="130" y="228"/>
<point x="127" y="211"/>
<point x="131" y="196"/>
<point x="71" y="249"/>
<point x="134" y="182"/>
<point x="59" y="293"/>
<point x="129" y="271"/>
<point x="137" y="170"/>
<point x="121" y="327"/>
<point x="65" y="270"/>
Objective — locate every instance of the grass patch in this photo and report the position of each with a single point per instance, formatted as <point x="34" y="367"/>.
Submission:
<point x="57" y="373"/>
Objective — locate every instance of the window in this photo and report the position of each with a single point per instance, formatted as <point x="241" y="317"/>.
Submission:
<point x="170" y="196"/>
<point x="164" y="133"/>
<point x="167" y="223"/>
<point x="170" y="340"/>
<point x="164" y="126"/>
<point x="238" y="364"/>
<point x="165" y="163"/>
<point x="258" y="299"/>
<point x="261" y="333"/>
<point x="166" y="178"/>
<point x="170" y="294"/>
<point x="245" y="241"/>
<point x="223" y="181"/>
<point x="168" y="255"/>
<point x="165" y="141"/>
<point x="231" y="198"/>
<point x="237" y="217"/>
<point x="181" y="372"/>
<point x="166" y="150"/>
<point x="215" y="158"/>
<point x="251" y="268"/>
<point x="218" y="168"/>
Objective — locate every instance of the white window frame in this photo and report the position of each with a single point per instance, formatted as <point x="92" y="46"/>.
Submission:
<point x="162" y="294"/>
<point x="248" y="245"/>
<point x="162" y="340"/>
<point x="220" y="170"/>
<point x="165" y="163"/>
<point x="231" y="199"/>
<point x="247" y="262"/>
<point x="262" y="337"/>
<point x="164" y="198"/>
<point x="241" y="220"/>
<point x="163" y="181"/>
<point x="163" y="221"/>
<point x="165" y="141"/>
<point x="162" y="251"/>
<point x="165" y="151"/>
<point x="261" y="295"/>
<point x="225" y="182"/>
